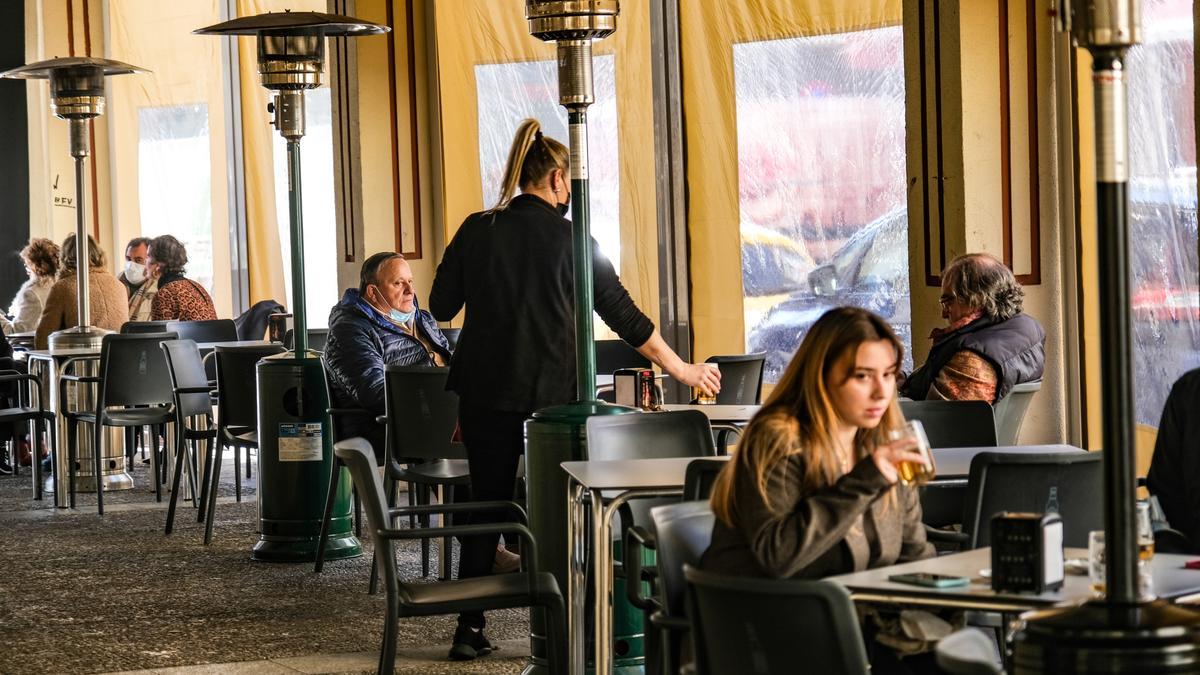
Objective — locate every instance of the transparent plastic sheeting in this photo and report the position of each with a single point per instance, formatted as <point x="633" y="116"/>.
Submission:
<point x="821" y="184"/>
<point x="1162" y="208"/>
<point x="511" y="92"/>
<point x="320" y="236"/>
<point x="175" y="182"/>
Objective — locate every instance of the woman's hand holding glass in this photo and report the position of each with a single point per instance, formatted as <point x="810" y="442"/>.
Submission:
<point x="907" y="457"/>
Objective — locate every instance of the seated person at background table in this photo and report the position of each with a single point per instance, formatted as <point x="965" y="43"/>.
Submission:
<point x="178" y="298"/>
<point x="812" y="490"/>
<point x="41" y="264"/>
<point x="375" y="325"/>
<point x="989" y="345"/>
<point x="106" y="296"/>
<point x="1175" y="465"/>
<point x="138" y="281"/>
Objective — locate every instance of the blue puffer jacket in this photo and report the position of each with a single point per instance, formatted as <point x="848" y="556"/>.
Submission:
<point x="361" y="342"/>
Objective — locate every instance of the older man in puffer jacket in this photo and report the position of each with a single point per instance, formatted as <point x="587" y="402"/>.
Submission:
<point x="375" y="325"/>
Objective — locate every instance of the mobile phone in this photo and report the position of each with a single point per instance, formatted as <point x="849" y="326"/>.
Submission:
<point x="930" y="580"/>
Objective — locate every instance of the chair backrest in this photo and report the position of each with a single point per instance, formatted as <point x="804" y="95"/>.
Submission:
<point x="741" y="378"/>
<point x="452" y="336"/>
<point x="187" y="370"/>
<point x="682" y="532"/>
<point x="954" y="424"/>
<point x="237" y="383"/>
<point x="614" y="354"/>
<point x="1010" y="411"/>
<point x="134" y="327"/>
<point x="134" y="370"/>
<point x="418" y="405"/>
<point x="700" y="477"/>
<point x="681" y="433"/>
<point x="765" y="626"/>
<point x="359" y="458"/>
<point x="1010" y="481"/>
<point x="213" y="330"/>
<point x="317" y="337"/>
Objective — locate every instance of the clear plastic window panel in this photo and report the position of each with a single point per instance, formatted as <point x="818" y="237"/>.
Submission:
<point x="821" y="178"/>
<point x="1162" y="205"/>
<point x="175" y="181"/>
<point x="318" y="211"/>
<point x="510" y="92"/>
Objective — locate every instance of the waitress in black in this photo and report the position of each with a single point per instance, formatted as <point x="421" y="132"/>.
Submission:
<point x="512" y="267"/>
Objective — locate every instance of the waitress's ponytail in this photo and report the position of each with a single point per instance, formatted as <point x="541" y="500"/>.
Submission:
<point x="530" y="159"/>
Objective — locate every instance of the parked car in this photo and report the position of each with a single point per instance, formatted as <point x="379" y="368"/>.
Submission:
<point x="870" y="270"/>
<point x="772" y="263"/>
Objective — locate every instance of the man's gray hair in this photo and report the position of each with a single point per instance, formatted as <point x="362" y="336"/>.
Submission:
<point x="983" y="283"/>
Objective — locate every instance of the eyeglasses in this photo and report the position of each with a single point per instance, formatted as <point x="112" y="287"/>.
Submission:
<point x="945" y="299"/>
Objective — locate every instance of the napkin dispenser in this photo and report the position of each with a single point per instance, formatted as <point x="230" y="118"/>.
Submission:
<point x="1027" y="552"/>
<point x="636" y="387"/>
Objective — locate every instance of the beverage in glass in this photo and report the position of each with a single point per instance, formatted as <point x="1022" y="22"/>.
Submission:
<point x="1145" y="531"/>
<point x="915" y="473"/>
<point x="1096" y="563"/>
<point x="703" y="398"/>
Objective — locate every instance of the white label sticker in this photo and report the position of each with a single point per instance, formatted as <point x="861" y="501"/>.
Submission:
<point x="300" y="442"/>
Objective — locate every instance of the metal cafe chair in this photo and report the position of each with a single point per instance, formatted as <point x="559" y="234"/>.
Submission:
<point x="191" y="391"/>
<point x="133" y="379"/>
<point x="27" y="409"/>
<point x="530" y="588"/>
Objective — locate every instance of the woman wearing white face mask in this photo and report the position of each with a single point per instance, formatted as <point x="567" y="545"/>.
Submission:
<point x="41" y="263"/>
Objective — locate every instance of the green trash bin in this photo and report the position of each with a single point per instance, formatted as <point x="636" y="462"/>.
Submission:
<point x="553" y="436"/>
<point x="295" y="456"/>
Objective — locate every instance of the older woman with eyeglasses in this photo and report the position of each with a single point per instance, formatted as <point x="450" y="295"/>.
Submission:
<point x="989" y="344"/>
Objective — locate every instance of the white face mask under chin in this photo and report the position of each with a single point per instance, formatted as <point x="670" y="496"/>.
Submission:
<point x="135" y="273"/>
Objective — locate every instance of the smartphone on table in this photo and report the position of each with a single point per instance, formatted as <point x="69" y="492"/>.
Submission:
<point x="930" y="580"/>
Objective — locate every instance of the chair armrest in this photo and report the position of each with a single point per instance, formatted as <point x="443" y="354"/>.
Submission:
<point x="637" y="538"/>
<point x="72" y="361"/>
<point x="381" y="419"/>
<point x="946" y="537"/>
<point x="78" y="378"/>
<point x="461" y="508"/>
<point x="17" y="376"/>
<point x="661" y="619"/>
<point x="193" y="390"/>
<point x="528" y="543"/>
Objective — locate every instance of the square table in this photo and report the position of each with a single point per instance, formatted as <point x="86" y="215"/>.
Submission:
<point x="1172" y="581"/>
<point x="955" y="463"/>
<point x="631" y="479"/>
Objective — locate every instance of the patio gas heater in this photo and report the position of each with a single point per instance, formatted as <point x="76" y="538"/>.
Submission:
<point x="1122" y="632"/>
<point x="77" y="96"/>
<point x="557" y="434"/>
<point x="295" y="444"/>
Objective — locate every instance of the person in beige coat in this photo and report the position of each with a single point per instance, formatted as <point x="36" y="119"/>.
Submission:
<point x="108" y="299"/>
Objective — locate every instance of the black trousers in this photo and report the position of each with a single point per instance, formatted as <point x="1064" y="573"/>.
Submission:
<point x="495" y="441"/>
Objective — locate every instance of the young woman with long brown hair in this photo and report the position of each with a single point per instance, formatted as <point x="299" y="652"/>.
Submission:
<point x="812" y="490"/>
<point x="512" y="267"/>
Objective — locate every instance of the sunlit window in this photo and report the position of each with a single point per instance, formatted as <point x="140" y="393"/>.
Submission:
<point x="174" y="181"/>
<point x="821" y="178"/>
<point x="320" y="217"/>
<point x="511" y="92"/>
<point x="1162" y="209"/>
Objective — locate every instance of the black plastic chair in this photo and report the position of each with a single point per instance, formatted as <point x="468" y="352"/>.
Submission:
<point x="213" y="330"/>
<point x="133" y="378"/>
<point x="192" y="394"/>
<point x="700" y="476"/>
<point x="317" y="337"/>
<point x="615" y="354"/>
<point x="237" y="415"/>
<point x="137" y="327"/>
<point x="682" y="532"/>
<point x="1008" y="481"/>
<point x="1010" y="411"/>
<point x="950" y="424"/>
<point x="778" y="625"/>
<point x="451" y="336"/>
<point x="337" y="417"/>
<point x="26" y="411"/>
<point x="529" y="589"/>
<point x="424" y="456"/>
<point x="741" y="378"/>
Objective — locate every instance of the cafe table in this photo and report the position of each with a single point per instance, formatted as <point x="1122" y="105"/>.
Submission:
<point x="619" y="481"/>
<point x="955" y="463"/>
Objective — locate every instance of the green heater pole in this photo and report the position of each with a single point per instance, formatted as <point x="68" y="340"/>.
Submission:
<point x="296" y="216"/>
<point x="581" y="243"/>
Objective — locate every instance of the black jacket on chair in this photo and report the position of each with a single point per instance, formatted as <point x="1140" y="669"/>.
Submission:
<point x="1016" y="348"/>
<point x="514" y="269"/>
<point x="361" y="342"/>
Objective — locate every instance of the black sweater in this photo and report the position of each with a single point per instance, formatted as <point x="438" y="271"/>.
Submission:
<point x="513" y="270"/>
<point x="1175" y="465"/>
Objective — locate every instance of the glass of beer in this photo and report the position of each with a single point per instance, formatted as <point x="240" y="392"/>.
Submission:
<point x="1145" y="531"/>
<point x="914" y="473"/>
<point x="703" y="398"/>
<point x="1096" y="562"/>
